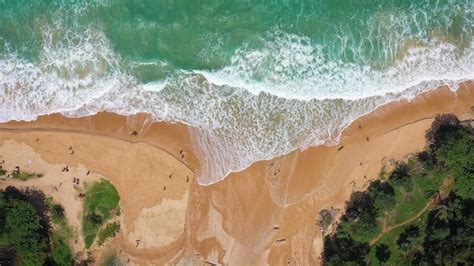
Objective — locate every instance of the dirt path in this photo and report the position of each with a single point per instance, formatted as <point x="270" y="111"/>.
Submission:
<point x="387" y="229"/>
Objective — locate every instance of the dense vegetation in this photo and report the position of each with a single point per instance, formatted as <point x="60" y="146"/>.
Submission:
<point x="26" y="235"/>
<point x="421" y="213"/>
<point x="100" y="205"/>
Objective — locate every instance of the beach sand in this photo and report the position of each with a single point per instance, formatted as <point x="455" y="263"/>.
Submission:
<point x="266" y="214"/>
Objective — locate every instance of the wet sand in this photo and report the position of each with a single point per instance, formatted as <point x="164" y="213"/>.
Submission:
<point x="264" y="214"/>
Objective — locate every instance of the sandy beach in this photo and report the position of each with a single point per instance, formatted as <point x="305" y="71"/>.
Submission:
<point x="266" y="214"/>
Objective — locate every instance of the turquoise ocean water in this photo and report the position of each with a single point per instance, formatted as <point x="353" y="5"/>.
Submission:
<point x="255" y="79"/>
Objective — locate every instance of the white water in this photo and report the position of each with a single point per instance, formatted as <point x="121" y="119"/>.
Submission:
<point x="301" y="99"/>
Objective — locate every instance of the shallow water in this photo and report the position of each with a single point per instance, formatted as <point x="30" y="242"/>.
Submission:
<point x="256" y="79"/>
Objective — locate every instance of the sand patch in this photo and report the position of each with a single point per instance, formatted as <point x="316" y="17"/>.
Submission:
<point x="160" y="225"/>
<point x="55" y="182"/>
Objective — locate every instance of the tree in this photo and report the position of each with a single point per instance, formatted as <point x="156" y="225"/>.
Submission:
<point x="452" y="145"/>
<point x="382" y="195"/>
<point x="7" y="256"/>
<point x="450" y="239"/>
<point x="401" y="176"/>
<point x="409" y="238"/>
<point x="61" y="253"/>
<point x="341" y="249"/>
<point x="457" y="155"/>
<point x="382" y="253"/>
<point x="441" y="128"/>
<point x="23" y="228"/>
<point x="361" y="214"/>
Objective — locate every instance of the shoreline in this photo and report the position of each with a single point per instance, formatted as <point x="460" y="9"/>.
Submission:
<point x="234" y="220"/>
<point x="144" y="122"/>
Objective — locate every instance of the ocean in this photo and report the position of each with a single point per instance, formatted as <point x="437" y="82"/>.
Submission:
<point x="253" y="79"/>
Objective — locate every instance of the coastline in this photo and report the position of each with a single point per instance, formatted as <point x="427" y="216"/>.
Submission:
<point x="234" y="220"/>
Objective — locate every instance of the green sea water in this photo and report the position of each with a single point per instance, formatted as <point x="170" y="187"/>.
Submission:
<point x="237" y="71"/>
<point x="190" y="34"/>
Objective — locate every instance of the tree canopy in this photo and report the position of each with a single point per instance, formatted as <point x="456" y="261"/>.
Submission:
<point x="426" y="207"/>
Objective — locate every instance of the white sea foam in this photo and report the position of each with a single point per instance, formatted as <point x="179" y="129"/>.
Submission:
<point x="267" y="102"/>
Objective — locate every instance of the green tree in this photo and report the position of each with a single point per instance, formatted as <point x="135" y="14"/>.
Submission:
<point x="382" y="195"/>
<point x="382" y="253"/>
<point x="450" y="241"/>
<point x="401" y="176"/>
<point x="361" y="216"/>
<point x="409" y="238"/>
<point x="457" y="155"/>
<point x="22" y="229"/>
<point x="61" y="253"/>
<point x="341" y="249"/>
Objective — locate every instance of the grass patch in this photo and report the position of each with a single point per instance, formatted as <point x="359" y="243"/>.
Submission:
<point x="109" y="231"/>
<point x="24" y="176"/>
<point x="61" y="252"/>
<point x="2" y="172"/>
<point x="397" y="256"/>
<point x="409" y="203"/>
<point x="101" y="198"/>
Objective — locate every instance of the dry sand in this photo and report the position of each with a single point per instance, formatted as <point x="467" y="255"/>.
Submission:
<point x="265" y="214"/>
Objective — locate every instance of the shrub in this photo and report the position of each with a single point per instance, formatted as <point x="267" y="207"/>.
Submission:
<point x="57" y="212"/>
<point x="325" y="218"/>
<point x="23" y="176"/>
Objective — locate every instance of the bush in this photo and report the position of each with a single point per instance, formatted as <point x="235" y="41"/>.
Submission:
<point x="325" y="219"/>
<point x="23" y="176"/>
<point x="57" y="212"/>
